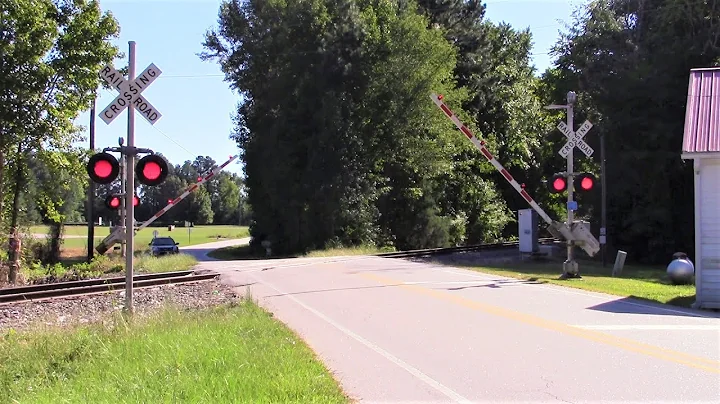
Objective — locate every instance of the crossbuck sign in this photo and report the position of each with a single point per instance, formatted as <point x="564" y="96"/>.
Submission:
<point x="130" y="94"/>
<point x="575" y="139"/>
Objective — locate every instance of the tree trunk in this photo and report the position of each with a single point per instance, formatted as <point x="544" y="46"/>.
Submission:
<point x="56" y="229"/>
<point x="14" y="253"/>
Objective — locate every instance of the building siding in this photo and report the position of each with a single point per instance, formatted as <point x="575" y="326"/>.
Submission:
<point x="709" y="261"/>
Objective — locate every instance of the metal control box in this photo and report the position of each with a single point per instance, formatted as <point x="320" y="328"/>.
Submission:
<point x="528" y="230"/>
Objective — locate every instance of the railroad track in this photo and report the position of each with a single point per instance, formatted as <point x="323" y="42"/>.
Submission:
<point x="75" y="288"/>
<point x="451" y="250"/>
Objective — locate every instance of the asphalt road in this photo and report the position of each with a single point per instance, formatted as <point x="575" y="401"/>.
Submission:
<point x="398" y="331"/>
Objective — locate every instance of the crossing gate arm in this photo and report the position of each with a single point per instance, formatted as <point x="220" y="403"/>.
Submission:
<point x="192" y="188"/>
<point x="480" y="144"/>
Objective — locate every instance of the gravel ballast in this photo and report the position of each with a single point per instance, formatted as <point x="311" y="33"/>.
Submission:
<point x="93" y="308"/>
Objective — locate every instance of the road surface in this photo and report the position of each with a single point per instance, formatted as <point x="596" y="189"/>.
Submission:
<point x="392" y="330"/>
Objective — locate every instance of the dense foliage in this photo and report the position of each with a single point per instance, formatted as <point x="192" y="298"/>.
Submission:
<point x="340" y="142"/>
<point x="343" y="146"/>
<point x="50" y="53"/>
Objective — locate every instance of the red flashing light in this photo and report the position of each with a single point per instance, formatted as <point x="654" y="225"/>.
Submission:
<point x="151" y="170"/>
<point x="113" y="202"/>
<point x="136" y="201"/>
<point x="585" y="182"/>
<point x="103" y="168"/>
<point x="557" y="184"/>
<point x="440" y="97"/>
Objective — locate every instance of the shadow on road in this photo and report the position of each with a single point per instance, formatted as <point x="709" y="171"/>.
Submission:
<point x="497" y="284"/>
<point x="334" y="290"/>
<point x="636" y="305"/>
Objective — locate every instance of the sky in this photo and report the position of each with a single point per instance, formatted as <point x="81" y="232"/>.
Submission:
<point x="196" y="103"/>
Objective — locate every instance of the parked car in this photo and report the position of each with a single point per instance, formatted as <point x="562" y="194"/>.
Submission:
<point x="163" y="245"/>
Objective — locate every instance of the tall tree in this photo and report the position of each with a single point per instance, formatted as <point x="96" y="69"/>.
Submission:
<point x="367" y="148"/>
<point x="52" y="51"/>
<point x="630" y="61"/>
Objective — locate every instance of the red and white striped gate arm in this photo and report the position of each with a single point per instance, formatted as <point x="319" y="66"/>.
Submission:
<point x="480" y="144"/>
<point x="185" y="193"/>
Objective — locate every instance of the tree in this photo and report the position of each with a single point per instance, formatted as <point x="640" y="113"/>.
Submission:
<point x="52" y="52"/>
<point x="630" y="61"/>
<point x="494" y="67"/>
<point x="364" y="162"/>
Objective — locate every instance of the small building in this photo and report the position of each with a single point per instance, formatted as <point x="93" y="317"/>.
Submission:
<point x="701" y="143"/>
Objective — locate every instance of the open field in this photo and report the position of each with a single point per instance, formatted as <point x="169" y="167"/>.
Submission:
<point x="195" y="235"/>
<point x="647" y="283"/>
<point x="243" y="253"/>
<point x="224" y="354"/>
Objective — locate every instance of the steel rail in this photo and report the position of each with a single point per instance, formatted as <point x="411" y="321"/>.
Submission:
<point x="91" y="286"/>
<point x="451" y="250"/>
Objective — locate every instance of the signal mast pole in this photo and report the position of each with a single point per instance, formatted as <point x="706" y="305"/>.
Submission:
<point x="570" y="266"/>
<point x="130" y="192"/>
<point x="121" y="142"/>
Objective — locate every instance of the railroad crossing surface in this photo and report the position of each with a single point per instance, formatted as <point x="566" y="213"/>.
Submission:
<point x="393" y="330"/>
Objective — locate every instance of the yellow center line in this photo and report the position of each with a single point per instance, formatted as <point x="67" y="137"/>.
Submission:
<point x="692" y="361"/>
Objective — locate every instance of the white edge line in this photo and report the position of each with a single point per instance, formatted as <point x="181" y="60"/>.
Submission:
<point x="409" y="368"/>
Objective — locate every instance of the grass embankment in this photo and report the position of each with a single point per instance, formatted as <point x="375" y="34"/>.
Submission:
<point x="103" y="265"/>
<point x="227" y="354"/>
<point x="647" y="283"/>
<point x="243" y="252"/>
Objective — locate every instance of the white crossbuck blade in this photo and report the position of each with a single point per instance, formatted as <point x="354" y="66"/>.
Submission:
<point x="130" y="93"/>
<point x="575" y="139"/>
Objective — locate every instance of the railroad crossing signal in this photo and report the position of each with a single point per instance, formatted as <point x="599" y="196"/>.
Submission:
<point x="130" y="94"/>
<point x="113" y="202"/>
<point x="575" y="139"/>
<point x="583" y="182"/>
<point x="151" y="170"/>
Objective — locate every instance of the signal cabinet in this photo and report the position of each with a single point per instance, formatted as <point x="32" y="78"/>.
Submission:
<point x="528" y="230"/>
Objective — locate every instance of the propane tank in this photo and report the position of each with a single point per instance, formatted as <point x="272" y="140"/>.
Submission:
<point x="681" y="270"/>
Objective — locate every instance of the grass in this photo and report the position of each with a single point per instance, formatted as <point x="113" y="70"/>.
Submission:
<point x="196" y="235"/>
<point x="102" y="265"/>
<point x="639" y="282"/>
<point x="225" y="354"/>
<point x="243" y="252"/>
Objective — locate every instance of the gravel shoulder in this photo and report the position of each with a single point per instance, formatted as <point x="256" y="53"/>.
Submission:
<point x="98" y="307"/>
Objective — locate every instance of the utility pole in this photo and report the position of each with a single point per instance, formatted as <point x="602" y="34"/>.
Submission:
<point x="603" y="208"/>
<point x="91" y="192"/>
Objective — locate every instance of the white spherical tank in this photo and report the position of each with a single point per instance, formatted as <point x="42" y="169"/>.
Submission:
<point x="681" y="271"/>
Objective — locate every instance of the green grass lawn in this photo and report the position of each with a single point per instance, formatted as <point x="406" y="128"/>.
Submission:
<point x="243" y="253"/>
<point x="196" y="235"/>
<point x="635" y="281"/>
<point x="226" y="354"/>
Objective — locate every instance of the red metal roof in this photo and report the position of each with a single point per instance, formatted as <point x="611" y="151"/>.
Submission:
<point x="702" y="113"/>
